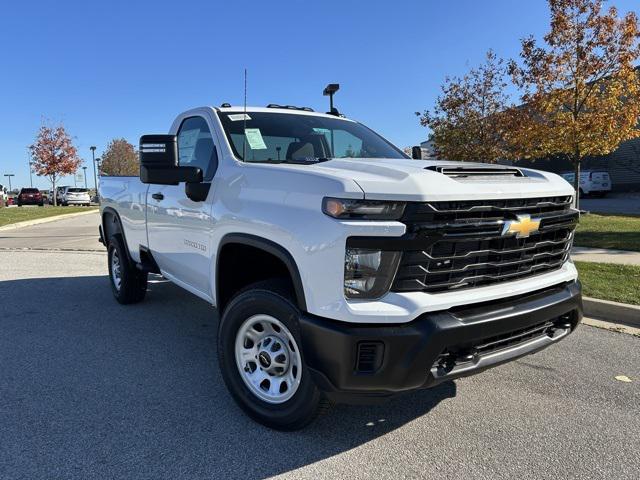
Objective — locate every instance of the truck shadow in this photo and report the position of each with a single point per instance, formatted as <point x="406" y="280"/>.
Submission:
<point x="91" y="388"/>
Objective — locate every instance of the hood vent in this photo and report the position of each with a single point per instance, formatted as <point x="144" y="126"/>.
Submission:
<point x="476" y="171"/>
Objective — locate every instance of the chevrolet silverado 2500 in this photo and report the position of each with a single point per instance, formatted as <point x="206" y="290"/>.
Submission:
<point x="342" y="269"/>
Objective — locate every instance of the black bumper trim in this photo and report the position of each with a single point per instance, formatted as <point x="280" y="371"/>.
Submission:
<point x="412" y="350"/>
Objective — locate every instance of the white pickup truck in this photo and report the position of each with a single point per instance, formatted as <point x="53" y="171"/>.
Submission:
<point x="342" y="269"/>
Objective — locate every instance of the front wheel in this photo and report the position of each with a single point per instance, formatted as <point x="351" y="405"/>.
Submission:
<point x="261" y="361"/>
<point x="129" y="285"/>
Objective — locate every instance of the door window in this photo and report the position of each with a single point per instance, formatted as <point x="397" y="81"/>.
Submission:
<point x="196" y="147"/>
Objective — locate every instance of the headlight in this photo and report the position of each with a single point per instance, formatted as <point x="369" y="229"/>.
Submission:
<point x="369" y="273"/>
<point x="362" y="209"/>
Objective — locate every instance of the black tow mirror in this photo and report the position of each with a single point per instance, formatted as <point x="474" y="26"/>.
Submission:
<point x="159" y="162"/>
<point x="416" y="153"/>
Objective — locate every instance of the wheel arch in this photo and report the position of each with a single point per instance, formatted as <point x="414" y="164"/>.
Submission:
<point x="267" y="247"/>
<point x="112" y="225"/>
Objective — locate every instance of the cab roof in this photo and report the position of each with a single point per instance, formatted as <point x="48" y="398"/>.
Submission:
<point x="276" y="109"/>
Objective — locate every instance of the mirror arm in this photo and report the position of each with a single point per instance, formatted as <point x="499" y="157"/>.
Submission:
<point x="197" y="191"/>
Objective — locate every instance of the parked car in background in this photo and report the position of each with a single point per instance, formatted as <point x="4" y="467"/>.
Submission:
<point x="592" y="182"/>
<point x="3" y="194"/>
<point x="30" y="196"/>
<point x="75" y="196"/>
<point x="57" y="193"/>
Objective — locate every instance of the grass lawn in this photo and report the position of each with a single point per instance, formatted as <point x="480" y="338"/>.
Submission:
<point x="21" y="214"/>
<point x="608" y="281"/>
<point x="617" y="232"/>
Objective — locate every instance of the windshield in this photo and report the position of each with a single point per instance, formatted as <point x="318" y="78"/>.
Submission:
<point x="286" y="137"/>
<point x="77" y="190"/>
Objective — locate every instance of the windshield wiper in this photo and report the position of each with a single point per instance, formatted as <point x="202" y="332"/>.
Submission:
<point x="296" y="161"/>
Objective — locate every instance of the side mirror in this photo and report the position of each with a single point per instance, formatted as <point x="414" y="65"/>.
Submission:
<point x="416" y="153"/>
<point x="159" y="162"/>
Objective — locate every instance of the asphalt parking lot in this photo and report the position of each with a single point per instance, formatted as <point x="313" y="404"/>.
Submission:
<point x="92" y="389"/>
<point x="76" y="233"/>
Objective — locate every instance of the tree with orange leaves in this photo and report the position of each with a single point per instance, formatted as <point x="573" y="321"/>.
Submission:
<point x="581" y="93"/>
<point x="53" y="154"/>
<point x="467" y="120"/>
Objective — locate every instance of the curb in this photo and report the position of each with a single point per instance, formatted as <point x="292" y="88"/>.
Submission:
<point x="38" y="221"/>
<point x="612" y="327"/>
<point x="614" y="312"/>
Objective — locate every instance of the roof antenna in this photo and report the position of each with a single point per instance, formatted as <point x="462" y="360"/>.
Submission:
<point x="244" y="117"/>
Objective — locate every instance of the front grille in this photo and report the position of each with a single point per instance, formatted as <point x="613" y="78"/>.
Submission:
<point x="464" y="246"/>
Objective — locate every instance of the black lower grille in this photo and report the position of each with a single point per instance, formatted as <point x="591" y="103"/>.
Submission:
<point x="469" y="247"/>
<point x="456" y="355"/>
<point x="369" y="357"/>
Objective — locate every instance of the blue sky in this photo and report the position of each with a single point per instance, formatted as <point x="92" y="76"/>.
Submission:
<point x="122" y="69"/>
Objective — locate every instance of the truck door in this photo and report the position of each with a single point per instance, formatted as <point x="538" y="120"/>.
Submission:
<point x="179" y="229"/>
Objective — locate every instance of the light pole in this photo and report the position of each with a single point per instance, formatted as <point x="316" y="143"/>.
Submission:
<point x="84" y="171"/>
<point x="30" y="172"/>
<point x="9" y="175"/>
<point x="95" y="178"/>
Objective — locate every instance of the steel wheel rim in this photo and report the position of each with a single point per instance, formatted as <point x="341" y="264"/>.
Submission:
<point x="116" y="274"/>
<point x="268" y="359"/>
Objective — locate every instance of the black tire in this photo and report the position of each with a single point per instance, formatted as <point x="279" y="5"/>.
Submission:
<point x="271" y="297"/>
<point x="130" y="286"/>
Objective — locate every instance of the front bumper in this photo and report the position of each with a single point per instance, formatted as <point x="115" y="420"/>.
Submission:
<point x="380" y="360"/>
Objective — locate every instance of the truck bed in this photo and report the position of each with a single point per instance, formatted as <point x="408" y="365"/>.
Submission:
<point x="128" y="197"/>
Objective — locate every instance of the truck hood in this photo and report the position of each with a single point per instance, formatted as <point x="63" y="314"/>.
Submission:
<point x="424" y="180"/>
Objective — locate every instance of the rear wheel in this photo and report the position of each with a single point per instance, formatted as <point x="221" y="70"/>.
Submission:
<point x="261" y="360"/>
<point x="129" y="285"/>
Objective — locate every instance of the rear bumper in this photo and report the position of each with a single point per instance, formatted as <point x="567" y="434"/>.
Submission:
<point x="78" y="201"/>
<point x="375" y="360"/>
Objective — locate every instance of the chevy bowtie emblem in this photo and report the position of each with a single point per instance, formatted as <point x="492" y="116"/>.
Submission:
<point x="522" y="227"/>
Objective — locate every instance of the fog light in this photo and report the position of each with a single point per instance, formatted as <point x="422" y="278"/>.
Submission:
<point x="369" y="273"/>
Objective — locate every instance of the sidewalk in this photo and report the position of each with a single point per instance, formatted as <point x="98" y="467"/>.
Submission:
<point x="602" y="255"/>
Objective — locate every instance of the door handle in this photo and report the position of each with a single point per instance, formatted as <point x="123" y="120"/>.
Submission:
<point x="157" y="196"/>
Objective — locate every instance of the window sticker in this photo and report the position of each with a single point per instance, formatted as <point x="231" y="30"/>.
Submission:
<point x="254" y="139"/>
<point x="234" y="117"/>
<point x="324" y="131"/>
<point x="186" y="144"/>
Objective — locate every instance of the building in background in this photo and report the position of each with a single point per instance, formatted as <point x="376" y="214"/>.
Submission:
<point x="623" y="166"/>
<point x="428" y="150"/>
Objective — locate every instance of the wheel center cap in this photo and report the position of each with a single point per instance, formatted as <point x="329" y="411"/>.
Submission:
<point x="265" y="359"/>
